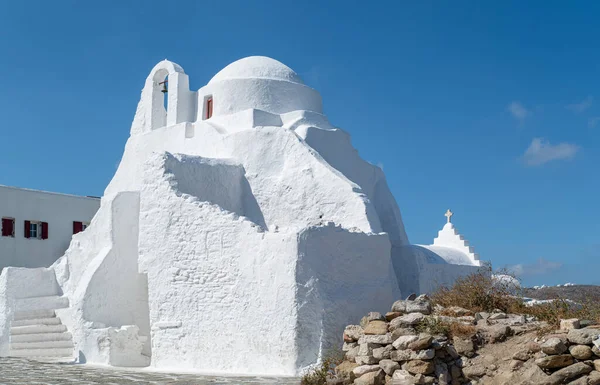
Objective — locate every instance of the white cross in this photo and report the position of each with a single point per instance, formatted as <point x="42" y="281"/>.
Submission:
<point x="449" y="215"/>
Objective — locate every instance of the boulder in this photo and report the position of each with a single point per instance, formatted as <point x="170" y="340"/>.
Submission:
<point x="352" y="333"/>
<point x="352" y="353"/>
<point x="345" y="370"/>
<point x="581" y="352"/>
<point x="389" y="366"/>
<point x="399" y="332"/>
<point x="419" y="367"/>
<point x="399" y="306"/>
<point x="400" y="355"/>
<point x="568" y="324"/>
<point x="366" y="349"/>
<point x="402" y="342"/>
<point x="496" y="333"/>
<point x="366" y="360"/>
<point x="594" y="378"/>
<point x="376" y="327"/>
<point x="570" y="372"/>
<point x="418" y="306"/>
<point x="427" y="354"/>
<point x="597" y="365"/>
<point x="554" y="362"/>
<point x="583" y="336"/>
<point x="423" y="342"/>
<point x="402" y="377"/>
<point x="553" y="346"/>
<point x="521" y="355"/>
<point x="406" y="321"/>
<point x="371" y="378"/>
<point x="348" y="345"/>
<point x="497" y="316"/>
<point x="532" y="347"/>
<point x="372" y="316"/>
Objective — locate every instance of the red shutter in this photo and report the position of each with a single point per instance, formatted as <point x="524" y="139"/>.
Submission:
<point x="77" y="227"/>
<point x="209" y="108"/>
<point x="10" y="228"/>
<point x="27" y="229"/>
<point x="44" y="230"/>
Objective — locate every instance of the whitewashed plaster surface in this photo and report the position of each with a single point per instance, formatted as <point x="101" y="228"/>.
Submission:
<point x="243" y="243"/>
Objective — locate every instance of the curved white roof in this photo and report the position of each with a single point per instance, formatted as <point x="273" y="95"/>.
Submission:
<point x="261" y="67"/>
<point x="450" y="255"/>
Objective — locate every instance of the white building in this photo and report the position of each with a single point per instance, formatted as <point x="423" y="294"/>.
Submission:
<point x="37" y="226"/>
<point x="240" y="234"/>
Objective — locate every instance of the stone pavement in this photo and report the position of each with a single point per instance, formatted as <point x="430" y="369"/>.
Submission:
<point x="21" y="371"/>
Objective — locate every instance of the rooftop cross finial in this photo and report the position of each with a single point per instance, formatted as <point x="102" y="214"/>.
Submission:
<point x="449" y="215"/>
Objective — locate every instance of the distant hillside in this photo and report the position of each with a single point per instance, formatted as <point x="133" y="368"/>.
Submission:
<point x="577" y="293"/>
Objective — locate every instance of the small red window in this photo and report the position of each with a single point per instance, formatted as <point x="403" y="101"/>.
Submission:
<point x="44" y="230"/>
<point x="209" y="107"/>
<point x="8" y="227"/>
<point x="77" y="227"/>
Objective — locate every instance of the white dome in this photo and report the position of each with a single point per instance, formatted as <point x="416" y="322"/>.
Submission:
<point x="261" y="67"/>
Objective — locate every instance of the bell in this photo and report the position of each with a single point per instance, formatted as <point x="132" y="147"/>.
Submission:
<point x="164" y="89"/>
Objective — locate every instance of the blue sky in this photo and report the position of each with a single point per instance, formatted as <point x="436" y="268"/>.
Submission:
<point x="491" y="109"/>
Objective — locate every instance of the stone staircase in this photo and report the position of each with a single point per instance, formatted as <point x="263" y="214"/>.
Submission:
<point x="39" y="334"/>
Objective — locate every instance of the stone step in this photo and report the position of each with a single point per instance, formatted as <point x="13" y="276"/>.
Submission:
<point x="42" y="337"/>
<point x="37" y="329"/>
<point x="37" y="321"/>
<point x="42" y="345"/>
<point x="62" y="352"/>
<point x="41" y="303"/>
<point x="33" y="314"/>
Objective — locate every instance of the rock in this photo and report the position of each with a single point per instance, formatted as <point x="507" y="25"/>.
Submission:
<point x="570" y="372"/>
<point x="594" y="378"/>
<point x="383" y="353"/>
<point x="427" y="354"/>
<point x="521" y="355"/>
<point x="584" y="323"/>
<point x="372" y="316"/>
<point x="496" y="333"/>
<point x="568" y="324"/>
<point x="411" y="297"/>
<point x="402" y="342"/>
<point x="581" y="352"/>
<point x="366" y="360"/>
<point x="371" y="378"/>
<point x="458" y="311"/>
<point x="389" y="366"/>
<point x="376" y="327"/>
<point x="532" y="347"/>
<point x="381" y="339"/>
<point x="482" y="315"/>
<point x="451" y="350"/>
<point x="399" y="306"/>
<point x="402" y="377"/>
<point x="336" y="381"/>
<point x="352" y="333"/>
<point x="474" y="372"/>
<point x="423" y="342"/>
<point x="596" y="350"/>
<point x="554" y="362"/>
<point x="583" y="336"/>
<point x="442" y="374"/>
<point x="391" y="315"/>
<point x="419" y="367"/>
<point x="553" y="346"/>
<point x="421" y="379"/>
<point x="345" y="370"/>
<point x="597" y="365"/>
<point x="400" y="355"/>
<point x="402" y="332"/>
<point x="455" y="372"/>
<point x="364" y="369"/>
<point x="464" y="347"/>
<point x="418" y="306"/>
<point x="366" y="349"/>
<point x="348" y="345"/>
<point x="406" y="321"/>
<point x="516" y="364"/>
<point x="352" y="353"/>
<point x="497" y="316"/>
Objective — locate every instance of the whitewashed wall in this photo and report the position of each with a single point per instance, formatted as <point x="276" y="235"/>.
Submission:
<point x="58" y="210"/>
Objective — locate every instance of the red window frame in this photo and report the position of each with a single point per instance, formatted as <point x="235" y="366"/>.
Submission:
<point x="209" y="107"/>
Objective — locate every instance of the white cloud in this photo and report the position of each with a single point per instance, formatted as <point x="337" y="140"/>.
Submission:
<point x="540" y="151"/>
<point x="518" y="111"/>
<point x="581" y="106"/>
<point x="540" y="267"/>
<point x="593" y="122"/>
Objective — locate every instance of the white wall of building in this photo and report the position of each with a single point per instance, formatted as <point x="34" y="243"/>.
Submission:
<point x="58" y="210"/>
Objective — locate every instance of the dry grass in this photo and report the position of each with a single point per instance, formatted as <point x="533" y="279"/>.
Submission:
<point x="320" y="374"/>
<point x="479" y="292"/>
<point x="433" y="326"/>
<point x="458" y="329"/>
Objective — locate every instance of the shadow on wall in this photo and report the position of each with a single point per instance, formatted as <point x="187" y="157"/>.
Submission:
<point x="217" y="181"/>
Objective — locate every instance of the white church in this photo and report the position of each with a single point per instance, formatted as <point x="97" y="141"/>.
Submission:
<point x="240" y="234"/>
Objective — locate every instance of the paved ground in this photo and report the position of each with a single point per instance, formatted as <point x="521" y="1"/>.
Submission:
<point x="20" y="371"/>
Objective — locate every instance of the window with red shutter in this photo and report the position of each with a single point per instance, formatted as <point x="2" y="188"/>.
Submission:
<point x="44" y="230"/>
<point x="77" y="227"/>
<point x="209" y="107"/>
<point x="27" y="229"/>
<point x="8" y="227"/>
